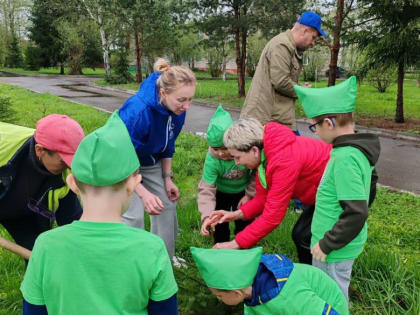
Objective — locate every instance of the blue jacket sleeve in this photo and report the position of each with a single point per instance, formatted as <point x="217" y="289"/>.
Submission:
<point x="30" y="309"/>
<point x="165" y="307"/>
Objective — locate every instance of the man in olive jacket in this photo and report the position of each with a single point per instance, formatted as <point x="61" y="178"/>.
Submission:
<point x="271" y="96"/>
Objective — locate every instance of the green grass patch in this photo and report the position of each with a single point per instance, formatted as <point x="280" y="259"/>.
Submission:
<point x="386" y="277"/>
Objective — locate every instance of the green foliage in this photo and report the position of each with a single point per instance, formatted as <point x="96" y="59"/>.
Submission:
<point x="315" y="62"/>
<point x="14" y="55"/>
<point x="6" y="111"/>
<point x="33" y="58"/>
<point x="255" y="47"/>
<point x="43" y="31"/>
<point x="121" y="75"/>
<point x="381" y="78"/>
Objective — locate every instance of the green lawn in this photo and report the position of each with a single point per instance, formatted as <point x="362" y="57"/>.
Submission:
<point x="386" y="277"/>
<point x="54" y="70"/>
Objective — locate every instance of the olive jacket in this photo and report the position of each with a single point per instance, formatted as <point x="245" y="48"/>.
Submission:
<point x="271" y="96"/>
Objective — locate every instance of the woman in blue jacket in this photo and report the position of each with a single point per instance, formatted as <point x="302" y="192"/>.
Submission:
<point x="154" y="118"/>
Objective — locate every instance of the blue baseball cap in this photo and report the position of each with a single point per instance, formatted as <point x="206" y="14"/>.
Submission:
<point x="313" y="20"/>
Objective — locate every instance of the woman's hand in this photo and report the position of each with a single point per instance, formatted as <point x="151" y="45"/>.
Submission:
<point x="171" y="189"/>
<point x="227" y="245"/>
<point x="222" y="216"/>
<point x="205" y="227"/>
<point x="243" y="200"/>
<point x="152" y="203"/>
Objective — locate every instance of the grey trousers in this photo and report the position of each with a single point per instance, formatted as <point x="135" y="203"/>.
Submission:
<point x="339" y="271"/>
<point x="166" y="224"/>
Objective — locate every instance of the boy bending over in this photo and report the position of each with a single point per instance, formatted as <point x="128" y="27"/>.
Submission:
<point x="268" y="284"/>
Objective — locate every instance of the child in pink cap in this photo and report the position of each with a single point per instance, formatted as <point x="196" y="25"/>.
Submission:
<point x="33" y="167"/>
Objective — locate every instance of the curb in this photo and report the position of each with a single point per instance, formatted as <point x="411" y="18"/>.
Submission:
<point x="380" y="132"/>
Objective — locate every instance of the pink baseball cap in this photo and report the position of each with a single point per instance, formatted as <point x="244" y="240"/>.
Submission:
<point x="61" y="134"/>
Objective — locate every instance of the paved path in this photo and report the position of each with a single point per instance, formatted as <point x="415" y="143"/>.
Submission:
<point x="398" y="166"/>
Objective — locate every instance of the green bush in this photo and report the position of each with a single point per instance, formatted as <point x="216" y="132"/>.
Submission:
<point x="7" y="113"/>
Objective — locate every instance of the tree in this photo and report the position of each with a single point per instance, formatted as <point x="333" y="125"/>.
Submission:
<point x="391" y="38"/>
<point x="255" y="47"/>
<point x="33" y="57"/>
<point x="43" y="32"/>
<point x="14" y="54"/>
<point x="223" y="18"/>
<point x="103" y="13"/>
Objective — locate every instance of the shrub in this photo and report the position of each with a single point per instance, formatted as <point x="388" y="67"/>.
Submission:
<point x="6" y="111"/>
<point x="381" y="78"/>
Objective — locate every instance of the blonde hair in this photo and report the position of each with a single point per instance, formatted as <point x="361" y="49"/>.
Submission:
<point x="244" y="134"/>
<point x="172" y="77"/>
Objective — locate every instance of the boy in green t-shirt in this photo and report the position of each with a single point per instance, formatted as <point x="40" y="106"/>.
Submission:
<point x="224" y="184"/>
<point x="98" y="265"/>
<point x="268" y="284"/>
<point x="339" y="228"/>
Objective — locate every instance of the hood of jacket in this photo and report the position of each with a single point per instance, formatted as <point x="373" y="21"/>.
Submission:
<point x="368" y="143"/>
<point x="148" y="93"/>
<point x="276" y="138"/>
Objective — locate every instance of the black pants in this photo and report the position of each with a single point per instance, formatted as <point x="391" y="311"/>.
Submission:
<point x="301" y="235"/>
<point x="228" y="202"/>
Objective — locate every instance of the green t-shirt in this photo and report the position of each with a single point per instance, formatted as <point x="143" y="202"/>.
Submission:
<point x="346" y="177"/>
<point x="226" y="175"/>
<point x="98" y="268"/>
<point x="305" y="293"/>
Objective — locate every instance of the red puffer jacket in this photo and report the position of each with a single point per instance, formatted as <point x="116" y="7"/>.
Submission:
<point x="294" y="169"/>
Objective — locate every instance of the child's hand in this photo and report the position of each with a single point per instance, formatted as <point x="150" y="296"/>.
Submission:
<point x="205" y="227"/>
<point x="152" y="204"/>
<point x="317" y="253"/>
<point x="243" y="200"/>
<point x="222" y="216"/>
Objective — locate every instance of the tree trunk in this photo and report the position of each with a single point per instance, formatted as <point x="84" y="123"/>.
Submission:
<point x="399" y="114"/>
<point x="243" y="56"/>
<point x="335" y="49"/>
<point x="139" y="76"/>
<point x="62" y="68"/>
<point x="105" y="50"/>
<point x="238" y="42"/>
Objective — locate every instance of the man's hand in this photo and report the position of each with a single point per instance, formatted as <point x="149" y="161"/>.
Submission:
<point x="317" y="253"/>
<point x="227" y="245"/>
<point x="171" y="189"/>
<point x="205" y="227"/>
<point x="152" y="204"/>
<point x="243" y="200"/>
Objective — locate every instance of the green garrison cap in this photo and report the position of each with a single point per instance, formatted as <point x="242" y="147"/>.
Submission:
<point x="337" y="99"/>
<point x="106" y="156"/>
<point x="219" y="123"/>
<point x="227" y="269"/>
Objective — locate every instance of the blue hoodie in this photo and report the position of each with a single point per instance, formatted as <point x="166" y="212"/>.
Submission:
<point x="152" y="128"/>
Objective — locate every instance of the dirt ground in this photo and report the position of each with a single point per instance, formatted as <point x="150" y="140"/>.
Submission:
<point x="410" y="125"/>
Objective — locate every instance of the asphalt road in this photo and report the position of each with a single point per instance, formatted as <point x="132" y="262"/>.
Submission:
<point x="398" y="165"/>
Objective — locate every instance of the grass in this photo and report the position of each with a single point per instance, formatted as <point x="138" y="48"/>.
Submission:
<point x="386" y="277"/>
<point x="54" y="70"/>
